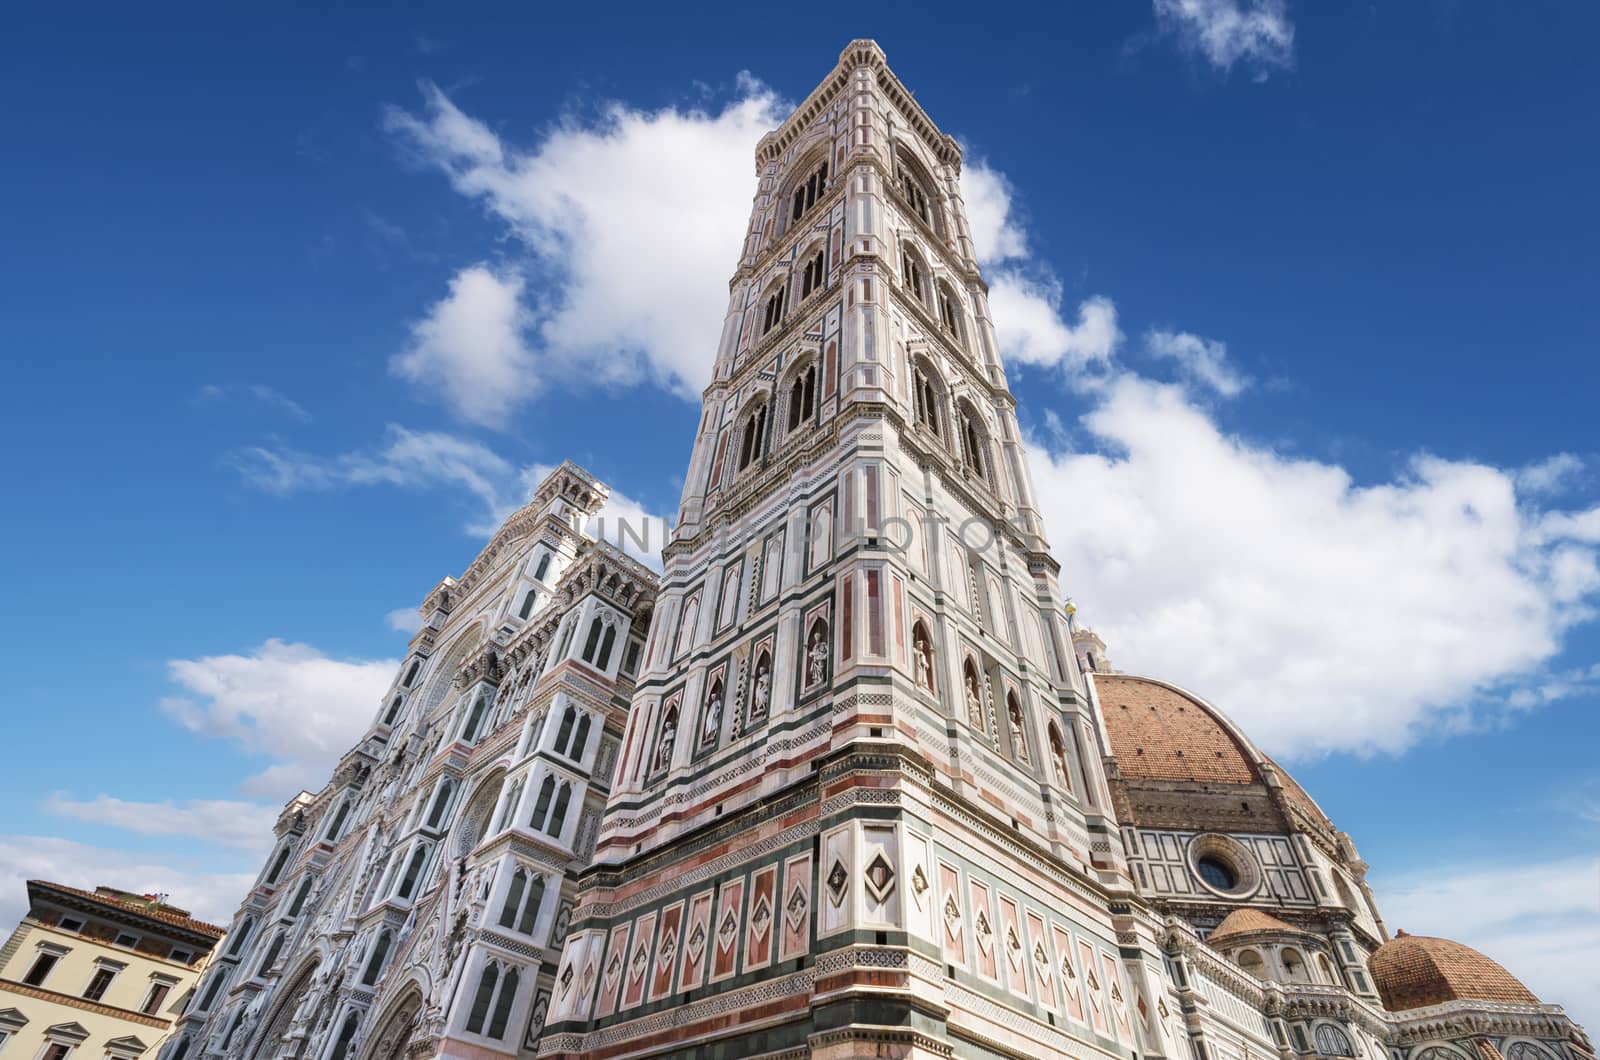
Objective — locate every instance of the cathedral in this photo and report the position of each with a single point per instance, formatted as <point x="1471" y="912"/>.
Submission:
<point x="846" y="779"/>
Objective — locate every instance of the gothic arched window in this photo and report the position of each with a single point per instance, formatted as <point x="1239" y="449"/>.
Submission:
<point x="1332" y="1040"/>
<point x="913" y="191"/>
<point x="237" y="945"/>
<point x="271" y="956"/>
<point x="341" y="1048"/>
<point x="488" y="979"/>
<point x="394" y="711"/>
<point x="469" y="729"/>
<point x="972" y="446"/>
<point x="337" y="823"/>
<point x="527" y="603"/>
<point x="441" y="801"/>
<point x="413" y="870"/>
<point x="514" y="895"/>
<point x="802" y="397"/>
<point x="925" y="397"/>
<point x="279" y="865"/>
<point x="753" y="443"/>
<point x="811" y="279"/>
<point x="592" y="643"/>
<point x="543" y="568"/>
<point x="569" y="718"/>
<point x="949" y="313"/>
<point x="380" y="953"/>
<point x="502" y="1005"/>
<point x="808" y="191"/>
<point x="913" y="275"/>
<point x="772" y="311"/>
<point x="541" y="805"/>
<point x="580" y="739"/>
<point x="558" y="816"/>
<point x="411" y="674"/>
<point x="607" y="640"/>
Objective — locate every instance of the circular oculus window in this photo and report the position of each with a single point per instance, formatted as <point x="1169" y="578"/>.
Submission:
<point x="1224" y="866"/>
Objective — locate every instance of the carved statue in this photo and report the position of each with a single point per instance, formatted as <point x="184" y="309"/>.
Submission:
<point x="1019" y="745"/>
<point x="923" y="652"/>
<point x="974" y="700"/>
<point x="817" y="671"/>
<point x="713" y="719"/>
<point x="762" y="693"/>
<point x="669" y="736"/>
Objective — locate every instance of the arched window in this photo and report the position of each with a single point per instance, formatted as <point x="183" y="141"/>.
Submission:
<point x="300" y="897"/>
<point x="569" y="718"/>
<point x="753" y="444"/>
<point x="513" y="795"/>
<point x="502" y="1005"/>
<point x="1332" y="1040"/>
<point x="337" y="823"/>
<point x="1019" y="735"/>
<point x="530" y="907"/>
<point x="393" y="711"/>
<point x="279" y="865"/>
<point x="469" y="730"/>
<point x="271" y="956"/>
<point x="514" y="895"/>
<point x="441" y="800"/>
<point x="1325" y="967"/>
<point x="811" y="280"/>
<point x="341" y="1048"/>
<point x="772" y="312"/>
<point x="580" y="739"/>
<point x="408" y="882"/>
<point x="1058" y="757"/>
<point x="949" y="313"/>
<point x="380" y="953"/>
<point x="411" y="674"/>
<point x="1251" y="962"/>
<point x="566" y="640"/>
<point x="558" y="816"/>
<point x="913" y="275"/>
<point x="592" y="643"/>
<point x="925" y="398"/>
<point x="487" y="981"/>
<point x="686" y="628"/>
<point x="527" y="603"/>
<point x="214" y="989"/>
<point x="912" y="190"/>
<point x="808" y="191"/>
<point x="541" y="805"/>
<point x="922" y="652"/>
<point x="1294" y="965"/>
<point x="543" y="568"/>
<point x="803" y="397"/>
<point x="237" y="945"/>
<point x="181" y="1051"/>
<point x="972" y="445"/>
<point x="607" y="640"/>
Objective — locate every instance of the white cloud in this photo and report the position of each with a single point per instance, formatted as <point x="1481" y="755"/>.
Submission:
<point x="244" y="826"/>
<point x="1030" y="329"/>
<point x="417" y="460"/>
<point x="190" y="883"/>
<point x="1203" y="360"/>
<point x="1254" y="33"/>
<point x="1540" y="920"/>
<point x="214" y="393"/>
<point x="404" y="620"/>
<point x="288" y="702"/>
<point x="628" y="222"/>
<point x="1551" y="475"/>
<point x="470" y="349"/>
<point x="996" y="235"/>
<point x="1322" y="614"/>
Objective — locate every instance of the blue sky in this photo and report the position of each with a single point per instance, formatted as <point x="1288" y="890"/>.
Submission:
<point x="1298" y="301"/>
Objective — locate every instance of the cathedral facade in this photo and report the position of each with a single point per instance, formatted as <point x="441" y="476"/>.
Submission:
<point x="845" y="779"/>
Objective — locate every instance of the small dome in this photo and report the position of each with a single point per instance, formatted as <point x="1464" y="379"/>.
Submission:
<point x="1249" y="922"/>
<point x="1414" y="971"/>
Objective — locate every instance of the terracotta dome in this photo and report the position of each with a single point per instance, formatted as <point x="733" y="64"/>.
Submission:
<point x="1248" y="922"/>
<point x="1160" y="732"/>
<point x="1414" y="971"/>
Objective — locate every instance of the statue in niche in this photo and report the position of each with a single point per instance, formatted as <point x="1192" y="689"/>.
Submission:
<point x="761" y="694"/>
<point x="974" y="700"/>
<point x="713" y="719"/>
<point x="669" y="735"/>
<point x="924" y="653"/>
<point x="1019" y="744"/>
<point x="817" y="658"/>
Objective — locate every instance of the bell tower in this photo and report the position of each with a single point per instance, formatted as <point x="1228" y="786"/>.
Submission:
<point x="860" y="797"/>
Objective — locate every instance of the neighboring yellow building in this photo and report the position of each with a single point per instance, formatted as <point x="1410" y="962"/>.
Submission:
<point x="97" y="975"/>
